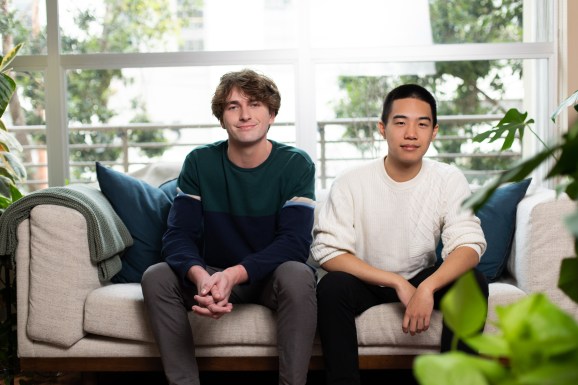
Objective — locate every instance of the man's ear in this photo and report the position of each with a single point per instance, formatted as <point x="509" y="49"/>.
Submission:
<point x="381" y="128"/>
<point x="435" y="131"/>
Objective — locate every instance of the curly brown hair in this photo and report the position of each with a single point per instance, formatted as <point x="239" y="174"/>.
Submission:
<point x="255" y="86"/>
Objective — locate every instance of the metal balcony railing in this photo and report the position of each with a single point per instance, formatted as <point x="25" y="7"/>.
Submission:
<point x="335" y="152"/>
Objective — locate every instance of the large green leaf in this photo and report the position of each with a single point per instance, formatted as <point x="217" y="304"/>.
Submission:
<point x="489" y="345"/>
<point x="9" y="142"/>
<point x="572" y="100"/>
<point x="7" y="59"/>
<point x="464" y="307"/>
<point x="516" y="173"/>
<point x="7" y="88"/>
<point x="565" y="373"/>
<point x="11" y="166"/>
<point x="536" y="331"/>
<point x="5" y="184"/>
<point x="457" y="368"/>
<point x="568" y="281"/>
<point x="567" y="163"/>
<point x="513" y="121"/>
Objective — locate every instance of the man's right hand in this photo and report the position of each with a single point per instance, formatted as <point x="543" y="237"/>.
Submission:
<point x="209" y="304"/>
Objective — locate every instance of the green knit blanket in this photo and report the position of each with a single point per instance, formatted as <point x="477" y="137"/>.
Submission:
<point x="108" y="237"/>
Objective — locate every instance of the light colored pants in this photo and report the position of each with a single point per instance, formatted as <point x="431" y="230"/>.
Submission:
<point x="289" y="290"/>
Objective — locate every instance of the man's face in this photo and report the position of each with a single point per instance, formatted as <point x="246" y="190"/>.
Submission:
<point x="408" y="131"/>
<point x="246" y="121"/>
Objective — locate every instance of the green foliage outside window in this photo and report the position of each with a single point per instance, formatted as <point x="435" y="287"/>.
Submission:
<point x="484" y="21"/>
<point x="125" y="27"/>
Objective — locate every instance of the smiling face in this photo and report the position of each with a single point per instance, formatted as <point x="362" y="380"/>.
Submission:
<point x="409" y="130"/>
<point x="246" y="120"/>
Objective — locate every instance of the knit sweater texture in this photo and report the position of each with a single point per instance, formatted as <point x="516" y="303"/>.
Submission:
<point x="396" y="226"/>
<point x="225" y="215"/>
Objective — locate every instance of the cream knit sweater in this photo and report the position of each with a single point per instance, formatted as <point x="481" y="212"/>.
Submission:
<point x="396" y="226"/>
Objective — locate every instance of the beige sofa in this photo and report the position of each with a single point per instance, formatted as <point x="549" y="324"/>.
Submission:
<point x="70" y="321"/>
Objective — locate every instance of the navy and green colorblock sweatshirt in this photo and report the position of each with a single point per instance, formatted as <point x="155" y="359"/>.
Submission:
<point x="225" y="215"/>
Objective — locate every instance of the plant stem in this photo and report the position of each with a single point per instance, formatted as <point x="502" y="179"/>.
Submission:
<point x="541" y="141"/>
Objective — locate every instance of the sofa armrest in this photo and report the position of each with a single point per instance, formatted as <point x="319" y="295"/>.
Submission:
<point x="541" y="242"/>
<point x="60" y="275"/>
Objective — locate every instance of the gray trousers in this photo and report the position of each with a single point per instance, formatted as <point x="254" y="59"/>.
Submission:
<point x="289" y="290"/>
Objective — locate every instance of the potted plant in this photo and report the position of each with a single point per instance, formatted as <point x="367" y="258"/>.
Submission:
<point x="11" y="172"/>
<point x="537" y="342"/>
<point x="11" y="169"/>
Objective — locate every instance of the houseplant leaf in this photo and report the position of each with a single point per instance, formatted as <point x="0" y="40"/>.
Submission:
<point x="9" y="142"/>
<point x="537" y="332"/>
<point x="516" y="173"/>
<point x="567" y="281"/>
<point x="565" y="373"/>
<point x="572" y="100"/>
<point x="464" y="307"/>
<point x="7" y="59"/>
<point x="512" y="121"/>
<point x="7" y="88"/>
<point x="489" y="345"/>
<point x="457" y="368"/>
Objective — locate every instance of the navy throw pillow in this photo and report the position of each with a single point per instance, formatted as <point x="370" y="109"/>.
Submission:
<point x="498" y="221"/>
<point x="144" y="210"/>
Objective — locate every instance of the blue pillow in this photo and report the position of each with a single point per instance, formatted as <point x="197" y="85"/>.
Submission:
<point x="144" y="210"/>
<point x="170" y="188"/>
<point x="498" y="221"/>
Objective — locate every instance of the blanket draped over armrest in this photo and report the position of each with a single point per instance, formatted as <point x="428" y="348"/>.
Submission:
<point x="108" y="236"/>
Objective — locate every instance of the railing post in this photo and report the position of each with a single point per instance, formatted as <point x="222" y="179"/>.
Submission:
<point x="322" y="160"/>
<point x="125" y="159"/>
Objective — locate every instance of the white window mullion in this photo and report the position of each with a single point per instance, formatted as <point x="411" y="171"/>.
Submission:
<point x="305" y="114"/>
<point x="56" y="110"/>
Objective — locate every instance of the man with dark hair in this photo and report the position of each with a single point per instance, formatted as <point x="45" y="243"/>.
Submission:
<point x="239" y="231"/>
<point x="378" y="230"/>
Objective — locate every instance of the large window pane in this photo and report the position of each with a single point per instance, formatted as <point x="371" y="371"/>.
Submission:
<point x="472" y="96"/>
<point x="130" y="117"/>
<point x="183" y="25"/>
<point x="372" y="23"/>
<point x="25" y="22"/>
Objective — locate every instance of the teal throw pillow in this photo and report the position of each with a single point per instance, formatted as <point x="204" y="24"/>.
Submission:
<point x="498" y="221"/>
<point x="144" y="210"/>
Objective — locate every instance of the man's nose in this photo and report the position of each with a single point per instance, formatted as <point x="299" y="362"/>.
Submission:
<point x="411" y="131"/>
<point x="245" y="114"/>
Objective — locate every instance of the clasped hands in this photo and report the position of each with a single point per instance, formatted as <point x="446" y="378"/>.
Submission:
<point x="213" y="295"/>
<point x="418" y="304"/>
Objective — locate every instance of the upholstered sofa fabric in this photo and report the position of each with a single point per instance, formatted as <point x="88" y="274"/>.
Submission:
<point x="82" y="317"/>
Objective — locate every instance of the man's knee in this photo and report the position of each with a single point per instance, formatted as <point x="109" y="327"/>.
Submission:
<point x="295" y="278"/>
<point x="155" y="276"/>
<point x="334" y="282"/>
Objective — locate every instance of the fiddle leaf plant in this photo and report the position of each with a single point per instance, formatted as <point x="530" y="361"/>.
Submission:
<point x="565" y="157"/>
<point x="11" y="172"/>
<point x="11" y="169"/>
<point x="536" y="343"/>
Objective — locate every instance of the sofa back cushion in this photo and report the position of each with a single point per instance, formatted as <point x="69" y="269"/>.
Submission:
<point x="144" y="210"/>
<point x="498" y="221"/>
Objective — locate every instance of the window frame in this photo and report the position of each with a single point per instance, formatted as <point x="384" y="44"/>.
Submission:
<point x="304" y="59"/>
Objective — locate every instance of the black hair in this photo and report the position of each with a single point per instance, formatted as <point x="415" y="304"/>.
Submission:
<point x="409" y="91"/>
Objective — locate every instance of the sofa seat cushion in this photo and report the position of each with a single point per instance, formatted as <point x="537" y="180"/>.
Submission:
<point x="117" y="310"/>
<point x="381" y="326"/>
